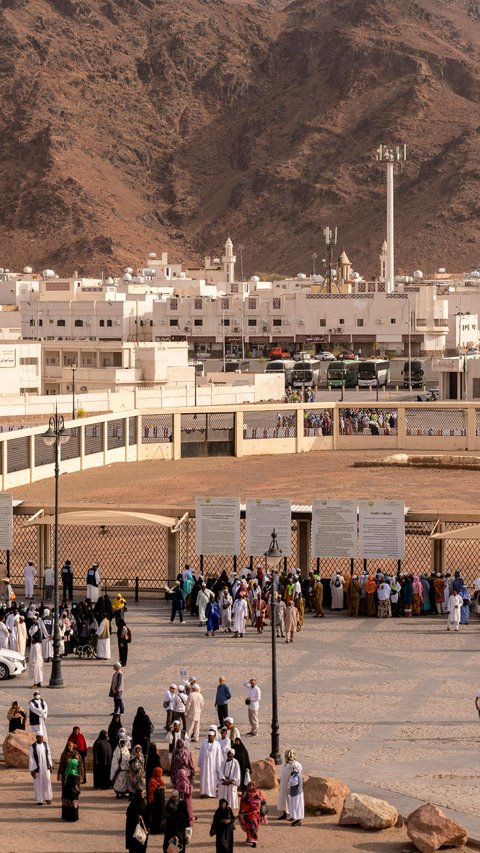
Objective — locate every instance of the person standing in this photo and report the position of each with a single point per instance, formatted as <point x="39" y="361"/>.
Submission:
<point x="29" y="579"/>
<point x="222" y="828"/>
<point x="243" y="758"/>
<point x="21" y="635"/>
<point x="103" y="640"/>
<point x="142" y="728"/>
<point x="178" y="601"/>
<point x="119" y="768"/>
<point x="116" y="689"/>
<point x="454" y="611"/>
<point x="168" y="699"/>
<point x="48" y="581"/>
<point x="136" y="816"/>
<point x="93" y="583"/>
<point x="40" y="765"/>
<point x="37" y="715"/>
<point x="67" y="580"/>
<point x="102" y="761"/>
<point x="225" y="603"/>
<point x="222" y="697"/>
<point x="212" y="612"/>
<point x="291" y="615"/>
<point x="16" y="717"/>
<point x="46" y="627"/>
<point x="254" y="695"/>
<point x="124" y="637"/>
<point x="71" y="790"/>
<point x="209" y="762"/>
<point x="176" y="821"/>
<point x="283" y="802"/>
<point x="229" y="780"/>
<point x="464" y="612"/>
<point x="193" y="712"/>
<point x="384" y="606"/>
<point x="203" y="598"/>
<point x="239" y="616"/>
<point x="295" y="795"/>
<point x="156" y="801"/>
<point x="11" y="623"/>
<point x="3" y="632"/>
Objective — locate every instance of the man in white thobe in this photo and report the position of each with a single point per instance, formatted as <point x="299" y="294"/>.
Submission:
<point x="193" y="712"/>
<point x="35" y="660"/>
<point x="239" y="617"/>
<point x="11" y="623"/>
<point x="224" y="741"/>
<point x="229" y="780"/>
<point x="283" y="801"/>
<point x="454" y="611"/>
<point x="295" y="795"/>
<point x="209" y="762"/>
<point x="3" y="633"/>
<point x="225" y="602"/>
<point x="93" y="583"/>
<point x="37" y="715"/>
<point x="46" y="627"/>
<point x="254" y="695"/>
<point x="203" y="598"/>
<point x="40" y="765"/>
<point x="29" y="579"/>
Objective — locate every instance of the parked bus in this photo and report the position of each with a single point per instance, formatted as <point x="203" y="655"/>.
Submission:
<point x="284" y="366"/>
<point x="373" y="372"/>
<point x="236" y="365"/>
<point x="417" y="374"/>
<point x="342" y="373"/>
<point x="307" y="373"/>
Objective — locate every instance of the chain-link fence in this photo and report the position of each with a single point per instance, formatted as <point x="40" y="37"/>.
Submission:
<point x="269" y="424"/>
<point x="429" y="421"/>
<point x="318" y="422"/>
<point x="156" y="429"/>
<point x="368" y="421"/>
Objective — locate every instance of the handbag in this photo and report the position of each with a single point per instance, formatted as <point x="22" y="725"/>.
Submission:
<point x="174" y="845"/>
<point x="166" y="704"/>
<point x="140" y="833"/>
<point x="264" y="809"/>
<point x="247" y="701"/>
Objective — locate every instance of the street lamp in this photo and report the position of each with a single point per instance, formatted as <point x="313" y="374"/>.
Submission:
<point x="272" y="559"/>
<point x="56" y="435"/>
<point x="73" y="368"/>
<point x="314" y="258"/>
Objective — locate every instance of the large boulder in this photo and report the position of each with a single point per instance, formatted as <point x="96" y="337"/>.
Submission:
<point x="264" y="774"/>
<point x="325" y="794"/>
<point x="16" y="747"/>
<point x="429" y="829"/>
<point x="368" y="812"/>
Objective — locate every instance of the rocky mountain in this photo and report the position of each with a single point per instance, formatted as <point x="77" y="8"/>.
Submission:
<point x="131" y="125"/>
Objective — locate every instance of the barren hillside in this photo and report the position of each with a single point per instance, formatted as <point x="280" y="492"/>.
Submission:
<point x="128" y="125"/>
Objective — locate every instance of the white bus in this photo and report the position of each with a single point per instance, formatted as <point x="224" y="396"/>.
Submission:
<point x="373" y="372"/>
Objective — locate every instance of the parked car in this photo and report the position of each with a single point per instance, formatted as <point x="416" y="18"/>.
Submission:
<point x="11" y="663"/>
<point x="347" y="354"/>
<point x="302" y="356"/>
<point x="278" y="352"/>
<point x="325" y="356"/>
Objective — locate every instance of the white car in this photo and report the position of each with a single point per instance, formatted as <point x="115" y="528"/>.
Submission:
<point x="302" y="356"/>
<point x="325" y="356"/>
<point x="11" y="663"/>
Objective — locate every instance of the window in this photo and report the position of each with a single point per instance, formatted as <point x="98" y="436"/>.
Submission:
<point x="173" y="321"/>
<point x="252" y="322"/>
<point x="360" y="322"/>
<point x="277" y="322"/>
<point x="341" y="322"/>
<point x="393" y="320"/>
<point x="225" y="303"/>
<point x="28" y="390"/>
<point x="28" y="360"/>
<point x="109" y="324"/>
<point x="78" y="323"/>
<point x="101" y="323"/>
<point x="40" y="322"/>
<point x="60" y="322"/>
<point x="323" y="321"/>
<point x="226" y="321"/>
<point x="198" y="322"/>
<point x="277" y="304"/>
<point x="198" y="303"/>
<point x="234" y="287"/>
<point x="252" y="304"/>
<point x="32" y="322"/>
<point x="174" y="305"/>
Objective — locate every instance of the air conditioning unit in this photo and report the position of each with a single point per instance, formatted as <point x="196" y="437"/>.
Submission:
<point x="69" y="387"/>
<point x="380" y="322"/>
<point x="265" y="328"/>
<point x="236" y="329"/>
<point x="187" y="328"/>
<point x="286" y="322"/>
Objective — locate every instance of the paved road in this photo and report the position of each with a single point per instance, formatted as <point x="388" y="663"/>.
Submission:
<point x="387" y="705"/>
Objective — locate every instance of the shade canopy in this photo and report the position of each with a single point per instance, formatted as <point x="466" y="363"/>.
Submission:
<point x="472" y="532"/>
<point x="106" y="518"/>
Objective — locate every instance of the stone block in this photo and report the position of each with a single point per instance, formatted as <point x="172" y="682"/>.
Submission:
<point x="325" y="794"/>
<point x="367" y="812"/>
<point x="264" y="774"/>
<point x="16" y="748"/>
<point x="429" y="829"/>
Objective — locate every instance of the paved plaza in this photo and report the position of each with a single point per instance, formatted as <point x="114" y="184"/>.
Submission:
<point x="386" y="705"/>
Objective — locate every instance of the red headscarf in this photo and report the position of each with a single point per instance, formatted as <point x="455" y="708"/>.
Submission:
<point x="156" y="781"/>
<point x="78" y="740"/>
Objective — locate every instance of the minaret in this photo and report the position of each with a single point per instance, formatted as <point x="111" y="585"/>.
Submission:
<point x="228" y="261"/>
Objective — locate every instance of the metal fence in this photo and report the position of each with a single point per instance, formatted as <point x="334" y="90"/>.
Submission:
<point x="156" y="429"/>
<point x="318" y="422"/>
<point x="436" y="421"/>
<point x="368" y="421"/>
<point x="267" y="424"/>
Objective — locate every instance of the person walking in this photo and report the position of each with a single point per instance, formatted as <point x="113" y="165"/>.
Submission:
<point x="176" y="822"/>
<point x="254" y="695"/>
<point x="225" y="602"/>
<point x="295" y="795"/>
<point x="178" y="602"/>
<point x="116" y="689"/>
<point x="454" y="611"/>
<point x="193" y="712"/>
<point x="252" y="812"/>
<point x="48" y="580"/>
<point x="209" y="762"/>
<point x="37" y="715"/>
<point x="283" y="802"/>
<point x="222" y="696"/>
<point x="124" y="638"/>
<point x="71" y="790"/>
<point x="35" y="660"/>
<point x="136" y="824"/>
<point x="291" y="615"/>
<point x="222" y="828"/>
<point x="119" y="768"/>
<point x="40" y="765"/>
<point x="80" y="744"/>
<point x="168" y="699"/>
<point x="102" y="761"/>
<point x="156" y="801"/>
<point x="212" y="612"/>
<point x="93" y="583"/>
<point x="229" y="779"/>
<point x="142" y="728"/>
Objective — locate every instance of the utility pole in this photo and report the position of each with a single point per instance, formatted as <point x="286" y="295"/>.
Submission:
<point x="390" y="154"/>
<point x="330" y="241"/>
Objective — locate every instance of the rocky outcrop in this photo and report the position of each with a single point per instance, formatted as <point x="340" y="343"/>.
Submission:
<point x="429" y="829"/>
<point x="16" y="747"/>
<point x="325" y="794"/>
<point x="367" y="812"/>
<point x="264" y="774"/>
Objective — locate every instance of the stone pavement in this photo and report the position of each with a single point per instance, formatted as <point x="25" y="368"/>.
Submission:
<point x="386" y="705"/>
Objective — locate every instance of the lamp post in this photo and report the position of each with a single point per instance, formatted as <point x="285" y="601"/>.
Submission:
<point x="272" y="559"/>
<point x="376" y="378"/>
<point x="314" y="258"/>
<point x="55" y="436"/>
<point x="73" y="368"/>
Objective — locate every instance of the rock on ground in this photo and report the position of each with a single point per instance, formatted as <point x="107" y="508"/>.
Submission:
<point x="324" y="793"/>
<point x="16" y="747"/>
<point x="264" y="774"/>
<point x="429" y="829"/>
<point x="368" y="812"/>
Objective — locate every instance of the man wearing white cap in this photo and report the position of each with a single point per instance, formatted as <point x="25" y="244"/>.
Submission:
<point x="29" y="579"/>
<point x="37" y="715"/>
<point x="116" y="688"/>
<point x="193" y="712"/>
<point x="35" y="660"/>
<point x="229" y="779"/>
<point x="168" y="700"/>
<point x="209" y="762"/>
<point x="295" y="795"/>
<point x="40" y="765"/>
<point x="203" y="599"/>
